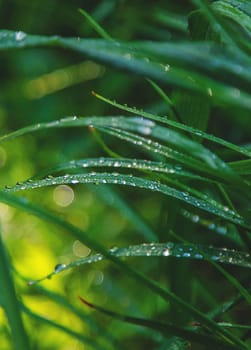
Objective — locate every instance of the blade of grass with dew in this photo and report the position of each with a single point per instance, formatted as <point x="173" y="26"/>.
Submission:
<point x="243" y="291"/>
<point x="166" y="328"/>
<point x="9" y="302"/>
<point x="149" y="59"/>
<point x="215" y="226"/>
<point x="156" y="148"/>
<point x="25" y="205"/>
<point x="136" y="182"/>
<point x="177" y="125"/>
<point x="149" y="128"/>
<point x="145" y="127"/>
<point x="166" y="250"/>
<point x="127" y="163"/>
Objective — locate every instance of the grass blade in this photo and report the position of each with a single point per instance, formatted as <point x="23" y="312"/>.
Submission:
<point x="25" y="205"/>
<point x="150" y="59"/>
<point x="9" y="302"/>
<point x="169" y="249"/>
<point x="166" y="328"/>
<point x="133" y="181"/>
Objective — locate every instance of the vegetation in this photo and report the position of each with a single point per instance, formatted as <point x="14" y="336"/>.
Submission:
<point x="125" y="182"/>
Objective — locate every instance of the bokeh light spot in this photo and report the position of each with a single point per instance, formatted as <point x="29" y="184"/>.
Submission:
<point x="63" y="195"/>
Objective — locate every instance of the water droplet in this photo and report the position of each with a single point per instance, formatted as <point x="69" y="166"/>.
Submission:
<point x="113" y="249"/>
<point x="211" y="226"/>
<point x="68" y="119"/>
<point x="74" y="181"/>
<point x="117" y="164"/>
<point x="221" y="230"/>
<point x="145" y="130"/>
<point x="198" y="256"/>
<point x="166" y="252"/>
<point x="53" y="123"/>
<point x="59" y="267"/>
<point x="19" y="36"/>
<point x="30" y="283"/>
<point x="195" y="218"/>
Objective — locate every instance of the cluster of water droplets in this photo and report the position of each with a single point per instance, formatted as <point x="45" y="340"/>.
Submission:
<point x="9" y="38"/>
<point x="140" y="164"/>
<point x="169" y="249"/>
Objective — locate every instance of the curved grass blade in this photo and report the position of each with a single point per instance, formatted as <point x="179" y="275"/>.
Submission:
<point x="157" y="148"/>
<point x="167" y="121"/>
<point x="133" y="181"/>
<point x="204" y="62"/>
<point x="145" y="127"/>
<point x="139" y="125"/>
<point x="165" y="328"/>
<point x="167" y="295"/>
<point x="138" y="164"/>
<point x="213" y="225"/>
<point x="169" y="249"/>
<point x="10" y="304"/>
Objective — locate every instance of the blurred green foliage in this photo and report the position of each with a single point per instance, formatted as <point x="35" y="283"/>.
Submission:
<point x="44" y="84"/>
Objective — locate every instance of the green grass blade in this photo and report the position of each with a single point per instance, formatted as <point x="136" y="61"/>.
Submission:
<point x="205" y="158"/>
<point x="25" y="205"/>
<point x="173" y="170"/>
<point x="166" y="328"/>
<point x="187" y="128"/>
<point x="9" y="302"/>
<point x="169" y="249"/>
<point x="150" y="60"/>
<point x="215" y="22"/>
<point x="95" y="25"/>
<point x="137" y="182"/>
<point x="242" y="167"/>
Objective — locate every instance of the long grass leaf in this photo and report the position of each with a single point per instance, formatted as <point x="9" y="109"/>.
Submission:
<point x="25" y="205"/>
<point x="169" y="249"/>
<point x="168" y="121"/>
<point x="153" y="60"/>
<point x="166" y="328"/>
<point x="9" y="301"/>
<point x="136" y="182"/>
